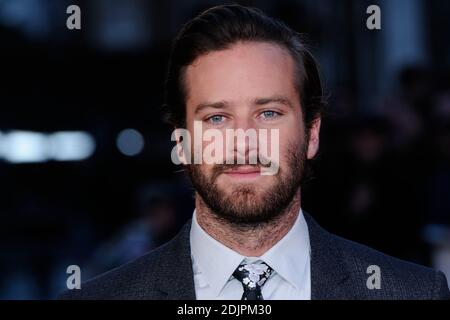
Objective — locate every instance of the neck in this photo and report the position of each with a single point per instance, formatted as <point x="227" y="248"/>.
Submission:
<point x="250" y="241"/>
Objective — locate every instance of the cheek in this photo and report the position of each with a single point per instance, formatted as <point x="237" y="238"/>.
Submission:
<point x="205" y="169"/>
<point x="284" y="156"/>
<point x="291" y="149"/>
<point x="289" y="137"/>
<point x="293" y="127"/>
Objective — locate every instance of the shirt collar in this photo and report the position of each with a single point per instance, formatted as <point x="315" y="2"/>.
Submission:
<point x="216" y="261"/>
<point x="288" y="257"/>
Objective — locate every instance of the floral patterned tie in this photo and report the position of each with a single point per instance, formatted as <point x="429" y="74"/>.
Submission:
<point x="252" y="276"/>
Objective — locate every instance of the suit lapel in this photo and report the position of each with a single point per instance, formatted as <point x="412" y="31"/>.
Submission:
<point x="175" y="277"/>
<point x="329" y="274"/>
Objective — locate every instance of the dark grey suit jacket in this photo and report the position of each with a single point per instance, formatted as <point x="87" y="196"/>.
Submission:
<point x="338" y="271"/>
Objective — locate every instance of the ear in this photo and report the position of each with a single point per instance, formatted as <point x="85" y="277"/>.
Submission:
<point x="314" y="132"/>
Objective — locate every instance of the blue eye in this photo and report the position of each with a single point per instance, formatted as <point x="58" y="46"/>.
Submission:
<point x="269" y="114"/>
<point x="216" y="119"/>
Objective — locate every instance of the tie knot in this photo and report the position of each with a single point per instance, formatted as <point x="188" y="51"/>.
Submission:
<point x="253" y="275"/>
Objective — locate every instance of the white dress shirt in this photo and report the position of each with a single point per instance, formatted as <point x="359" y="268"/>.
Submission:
<point x="213" y="265"/>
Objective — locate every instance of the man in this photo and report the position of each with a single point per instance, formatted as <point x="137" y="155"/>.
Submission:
<point x="233" y="67"/>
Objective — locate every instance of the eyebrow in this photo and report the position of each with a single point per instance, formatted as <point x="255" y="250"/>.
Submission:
<point x="214" y="105"/>
<point x="277" y="99"/>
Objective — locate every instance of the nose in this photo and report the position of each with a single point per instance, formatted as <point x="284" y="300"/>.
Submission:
<point x="245" y="140"/>
<point x="243" y="122"/>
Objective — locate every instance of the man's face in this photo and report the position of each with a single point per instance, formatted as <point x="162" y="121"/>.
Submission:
<point x="248" y="86"/>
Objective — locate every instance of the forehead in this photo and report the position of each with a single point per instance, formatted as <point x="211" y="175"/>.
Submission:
<point x="245" y="70"/>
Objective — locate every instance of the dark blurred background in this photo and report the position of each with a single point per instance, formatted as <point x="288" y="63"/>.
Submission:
<point x="86" y="176"/>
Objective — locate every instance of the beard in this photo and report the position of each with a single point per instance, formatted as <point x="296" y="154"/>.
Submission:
<point x="250" y="204"/>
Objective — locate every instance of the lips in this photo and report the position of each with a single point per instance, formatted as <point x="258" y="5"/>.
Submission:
<point x="244" y="170"/>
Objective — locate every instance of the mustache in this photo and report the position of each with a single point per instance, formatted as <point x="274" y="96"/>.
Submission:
<point x="220" y="168"/>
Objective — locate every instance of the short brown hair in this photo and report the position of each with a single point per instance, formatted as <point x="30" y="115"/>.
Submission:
<point x="220" y="27"/>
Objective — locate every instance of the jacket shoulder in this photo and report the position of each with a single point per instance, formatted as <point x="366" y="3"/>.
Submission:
<point x="132" y="280"/>
<point x="399" y="279"/>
